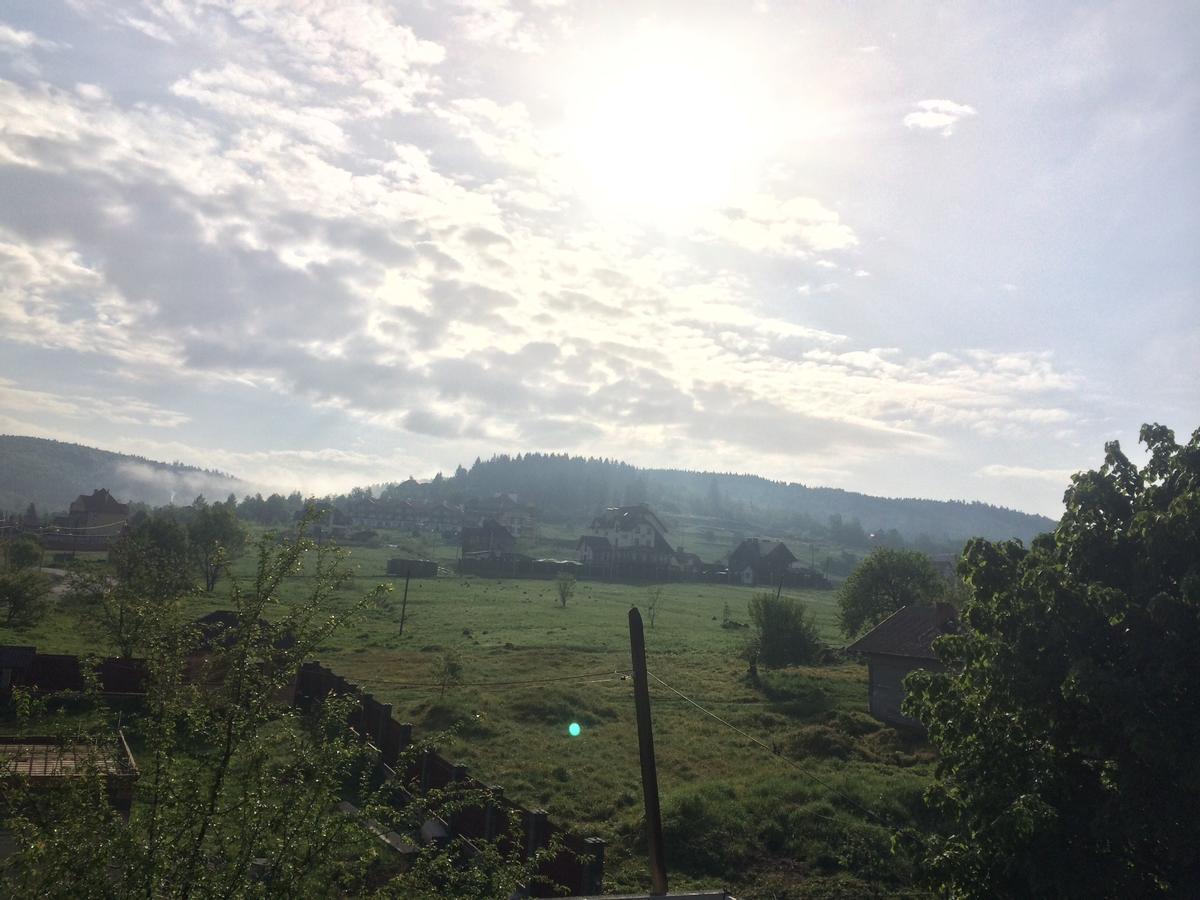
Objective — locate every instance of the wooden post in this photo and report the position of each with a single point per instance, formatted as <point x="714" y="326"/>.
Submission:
<point x="641" y="696"/>
<point x="404" y="602"/>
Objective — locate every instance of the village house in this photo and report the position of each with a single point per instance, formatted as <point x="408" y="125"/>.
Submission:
<point x="491" y="538"/>
<point x="628" y="542"/>
<point x="518" y="517"/>
<point x="100" y="514"/>
<point x="760" y="561"/>
<point x="902" y="643"/>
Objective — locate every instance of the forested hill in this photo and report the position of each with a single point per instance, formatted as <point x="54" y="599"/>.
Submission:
<point x="51" y="474"/>
<point x="572" y="488"/>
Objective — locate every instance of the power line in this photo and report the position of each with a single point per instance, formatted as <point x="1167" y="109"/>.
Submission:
<point x="791" y="762"/>
<point x="602" y="676"/>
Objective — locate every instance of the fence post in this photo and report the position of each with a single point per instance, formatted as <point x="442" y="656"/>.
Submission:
<point x="493" y="813"/>
<point x="592" y="873"/>
<point x="536" y="831"/>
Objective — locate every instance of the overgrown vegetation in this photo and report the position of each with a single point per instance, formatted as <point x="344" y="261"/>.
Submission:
<point x="1068" y="719"/>
<point x="785" y="633"/>
<point x="238" y="790"/>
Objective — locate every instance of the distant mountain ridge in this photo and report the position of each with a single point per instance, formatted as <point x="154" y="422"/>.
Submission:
<point x="571" y="488"/>
<point x="566" y="489"/>
<point x="52" y="473"/>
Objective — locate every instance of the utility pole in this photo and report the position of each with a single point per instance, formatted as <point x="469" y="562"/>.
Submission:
<point x="641" y="697"/>
<point x="404" y="602"/>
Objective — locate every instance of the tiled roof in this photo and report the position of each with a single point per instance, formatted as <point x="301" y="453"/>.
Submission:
<point x="909" y="632"/>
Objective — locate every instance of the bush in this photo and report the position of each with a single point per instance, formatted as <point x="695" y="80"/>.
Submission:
<point x="786" y="632"/>
<point x="708" y="829"/>
<point x="23" y="595"/>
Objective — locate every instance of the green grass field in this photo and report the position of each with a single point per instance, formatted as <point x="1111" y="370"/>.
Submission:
<point x="735" y="814"/>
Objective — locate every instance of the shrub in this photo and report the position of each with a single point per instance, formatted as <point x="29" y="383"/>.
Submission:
<point x="786" y="632"/>
<point x="708" y="829"/>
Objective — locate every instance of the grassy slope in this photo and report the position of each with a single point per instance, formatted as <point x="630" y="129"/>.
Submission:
<point x="735" y="814"/>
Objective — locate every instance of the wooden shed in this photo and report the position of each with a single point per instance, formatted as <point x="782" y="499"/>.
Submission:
<point x="902" y="643"/>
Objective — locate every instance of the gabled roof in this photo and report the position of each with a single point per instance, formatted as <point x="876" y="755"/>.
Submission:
<point x="100" y="500"/>
<point x="909" y="632"/>
<point x="751" y="550"/>
<point x="489" y="528"/>
<point x="626" y="518"/>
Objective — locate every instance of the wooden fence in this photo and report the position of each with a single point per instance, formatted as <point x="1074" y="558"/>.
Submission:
<point x="579" y="864"/>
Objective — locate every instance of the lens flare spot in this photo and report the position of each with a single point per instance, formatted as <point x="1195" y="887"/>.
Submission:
<point x="573" y="729"/>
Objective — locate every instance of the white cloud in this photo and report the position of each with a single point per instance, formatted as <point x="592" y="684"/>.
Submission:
<point x="793" y="227"/>
<point x="938" y="115"/>
<point x="1027" y="473"/>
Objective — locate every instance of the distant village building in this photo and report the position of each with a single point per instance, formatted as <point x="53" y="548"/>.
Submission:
<point x="92" y="522"/>
<point x="508" y="509"/>
<point x="491" y="538"/>
<point x="628" y="542"/>
<point x="760" y="561"/>
<point x="900" y="644"/>
<point x="413" y="516"/>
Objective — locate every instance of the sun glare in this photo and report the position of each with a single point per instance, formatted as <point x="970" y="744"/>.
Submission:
<point x="667" y="124"/>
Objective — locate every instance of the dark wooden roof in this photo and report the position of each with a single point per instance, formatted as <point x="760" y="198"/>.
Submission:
<point x="752" y="550"/>
<point x="99" y="501"/>
<point x="219" y="628"/>
<point x="627" y="518"/>
<point x="909" y="632"/>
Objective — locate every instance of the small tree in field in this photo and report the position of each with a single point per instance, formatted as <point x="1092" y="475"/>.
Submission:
<point x="653" y="602"/>
<point x="565" y="587"/>
<point x="449" y="670"/>
<point x="785" y="632"/>
<point x="216" y="536"/>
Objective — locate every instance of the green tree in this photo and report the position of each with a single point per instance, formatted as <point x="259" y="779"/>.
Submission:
<point x="1068" y="718"/>
<point x="565" y="587"/>
<point x="884" y="582"/>
<point x="216" y="536"/>
<point x="24" y="553"/>
<point x="785" y="633"/>
<point x="138" y="593"/>
<point x="23" y="595"/>
<point x="238" y="791"/>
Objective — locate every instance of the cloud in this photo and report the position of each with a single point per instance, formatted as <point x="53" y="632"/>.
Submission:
<point x="938" y="115"/>
<point x="1027" y="473"/>
<point x="83" y="407"/>
<point x="793" y="227"/>
<point x="18" y="39"/>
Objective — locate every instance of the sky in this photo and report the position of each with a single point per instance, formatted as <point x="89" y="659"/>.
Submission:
<point x="911" y="249"/>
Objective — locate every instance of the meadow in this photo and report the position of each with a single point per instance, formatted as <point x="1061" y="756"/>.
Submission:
<point x="810" y="815"/>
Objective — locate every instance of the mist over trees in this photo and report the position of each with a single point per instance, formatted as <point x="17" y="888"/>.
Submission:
<point x="570" y="488"/>
<point x="564" y="488"/>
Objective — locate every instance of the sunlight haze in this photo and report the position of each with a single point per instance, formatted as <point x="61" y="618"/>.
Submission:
<point x="923" y="250"/>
